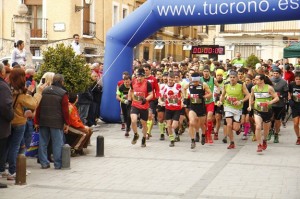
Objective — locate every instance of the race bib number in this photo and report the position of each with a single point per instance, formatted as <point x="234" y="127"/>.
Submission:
<point x="232" y="100"/>
<point x="138" y="96"/>
<point x="263" y="106"/>
<point x="173" y="100"/>
<point x="296" y="97"/>
<point x="195" y="99"/>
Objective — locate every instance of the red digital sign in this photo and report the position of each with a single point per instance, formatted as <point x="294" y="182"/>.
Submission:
<point x="209" y="50"/>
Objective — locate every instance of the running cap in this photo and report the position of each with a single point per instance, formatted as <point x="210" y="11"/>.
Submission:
<point x="140" y="72"/>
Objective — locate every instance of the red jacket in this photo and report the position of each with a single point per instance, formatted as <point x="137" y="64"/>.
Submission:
<point x="289" y="76"/>
<point x="74" y="117"/>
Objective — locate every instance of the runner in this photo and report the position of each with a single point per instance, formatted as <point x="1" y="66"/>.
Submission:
<point x="122" y="96"/>
<point x="294" y="101"/>
<point x="265" y="96"/>
<point x="209" y="102"/>
<point x="153" y="102"/>
<point x="199" y="91"/>
<point x="161" y="106"/>
<point x="246" y="115"/>
<point x="281" y="88"/>
<point x="235" y="94"/>
<point x="172" y="94"/>
<point x="140" y="94"/>
<point x="219" y="110"/>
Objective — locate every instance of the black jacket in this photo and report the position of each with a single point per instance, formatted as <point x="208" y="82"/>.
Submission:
<point x="6" y="109"/>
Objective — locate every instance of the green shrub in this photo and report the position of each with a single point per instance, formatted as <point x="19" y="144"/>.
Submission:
<point x="62" y="60"/>
<point x="252" y="60"/>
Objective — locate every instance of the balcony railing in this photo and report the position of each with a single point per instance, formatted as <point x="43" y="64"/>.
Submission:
<point x="286" y="26"/>
<point x="89" y="28"/>
<point x="38" y="28"/>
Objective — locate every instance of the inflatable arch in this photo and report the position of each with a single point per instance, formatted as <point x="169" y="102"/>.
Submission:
<point x="155" y="14"/>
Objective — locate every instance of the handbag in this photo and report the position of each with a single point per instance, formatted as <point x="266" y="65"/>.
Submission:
<point x="32" y="151"/>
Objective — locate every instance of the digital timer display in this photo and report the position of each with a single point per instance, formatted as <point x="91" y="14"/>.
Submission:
<point x="209" y="50"/>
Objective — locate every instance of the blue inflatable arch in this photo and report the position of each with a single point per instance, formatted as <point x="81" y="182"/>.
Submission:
<point x="155" y="14"/>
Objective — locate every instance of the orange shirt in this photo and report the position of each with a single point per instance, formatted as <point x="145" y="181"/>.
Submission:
<point x="74" y="117"/>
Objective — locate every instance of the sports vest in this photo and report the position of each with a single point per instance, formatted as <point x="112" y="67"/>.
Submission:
<point x="196" y="93"/>
<point x="211" y="85"/>
<point x="139" y="92"/>
<point x="233" y="94"/>
<point x="173" y="97"/>
<point x="261" y="98"/>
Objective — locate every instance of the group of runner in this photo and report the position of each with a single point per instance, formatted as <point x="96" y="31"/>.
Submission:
<point x="198" y="95"/>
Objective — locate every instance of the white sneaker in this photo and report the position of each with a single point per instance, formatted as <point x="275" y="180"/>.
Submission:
<point x="11" y="176"/>
<point x="4" y="174"/>
<point x="28" y="172"/>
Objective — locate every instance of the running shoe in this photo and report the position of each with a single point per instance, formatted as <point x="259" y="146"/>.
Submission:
<point x="197" y="138"/>
<point x="127" y="134"/>
<point x="284" y="124"/>
<point x="177" y="138"/>
<point x="172" y="144"/>
<point x="135" y="138"/>
<point x="238" y="132"/>
<point x="193" y="144"/>
<point x="209" y="139"/>
<point x="244" y="137"/>
<point x="276" y="138"/>
<point x="143" y="142"/>
<point x="203" y="140"/>
<point x="259" y="148"/>
<point x="298" y="141"/>
<point x="216" y="137"/>
<point x="264" y="145"/>
<point x="271" y="132"/>
<point x="224" y="140"/>
<point x="231" y="146"/>
<point x="123" y="127"/>
<point x="148" y="136"/>
<point x="162" y="137"/>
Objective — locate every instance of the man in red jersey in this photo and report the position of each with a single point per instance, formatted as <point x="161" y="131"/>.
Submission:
<point x="140" y="94"/>
<point x="153" y="102"/>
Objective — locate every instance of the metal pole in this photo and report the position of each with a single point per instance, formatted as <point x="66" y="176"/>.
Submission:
<point x="100" y="146"/>
<point x="21" y="170"/>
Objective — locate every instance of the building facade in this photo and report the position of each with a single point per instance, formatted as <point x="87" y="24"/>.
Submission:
<point x="56" y="21"/>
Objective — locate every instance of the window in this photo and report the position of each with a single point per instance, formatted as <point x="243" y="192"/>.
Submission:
<point x="35" y="10"/>
<point x="125" y="12"/>
<point x="89" y="27"/>
<point x="115" y="14"/>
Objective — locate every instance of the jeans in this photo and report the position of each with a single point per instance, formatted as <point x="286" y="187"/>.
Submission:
<point x="28" y="133"/>
<point x="83" y="110"/>
<point x="57" y="137"/>
<point x="15" y="139"/>
<point x="3" y="153"/>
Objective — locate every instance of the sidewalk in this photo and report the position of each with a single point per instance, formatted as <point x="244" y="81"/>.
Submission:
<point x="161" y="172"/>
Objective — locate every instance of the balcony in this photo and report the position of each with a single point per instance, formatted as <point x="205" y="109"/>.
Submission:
<point x="38" y="28"/>
<point x="270" y="27"/>
<point x="202" y="31"/>
<point x="89" y="28"/>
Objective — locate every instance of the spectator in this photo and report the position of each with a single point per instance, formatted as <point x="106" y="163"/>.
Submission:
<point x="6" y="116"/>
<point x="19" y="53"/>
<point x="75" y="44"/>
<point x="22" y="100"/>
<point x="52" y="117"/>
<point x="81" y="133"/>
<point x="288" y="75"/>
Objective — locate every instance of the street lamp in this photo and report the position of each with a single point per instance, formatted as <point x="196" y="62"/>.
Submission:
<point x="87" y="2"/>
